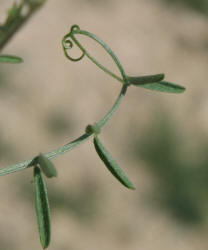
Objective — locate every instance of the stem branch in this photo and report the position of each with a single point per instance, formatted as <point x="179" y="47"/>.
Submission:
<point x="9" y="29"/>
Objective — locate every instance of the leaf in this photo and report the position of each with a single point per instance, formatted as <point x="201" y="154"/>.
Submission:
<point x="137" y="81"/>
<point x="111" y="164"/>
<point x="164" y="86"/>
<point x="10" y="59"/>
<point x="42" y="208"/>
<point x="47" y="166"/>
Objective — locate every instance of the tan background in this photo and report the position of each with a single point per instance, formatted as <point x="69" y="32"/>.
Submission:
<point x="97" y="212"/>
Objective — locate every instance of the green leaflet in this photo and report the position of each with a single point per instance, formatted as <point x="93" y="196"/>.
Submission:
<point x="111" y="164"/>
<point x="42" y="208"/>
<point x="164" y="86"/>
<point x="137" y="81"/>
<point x="47" y="166"/>
<point x="10" y="59"/>
<point x="154" y="82"/>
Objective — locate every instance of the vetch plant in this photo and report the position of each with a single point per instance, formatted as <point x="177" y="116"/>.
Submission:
<point x="42" y="162"/>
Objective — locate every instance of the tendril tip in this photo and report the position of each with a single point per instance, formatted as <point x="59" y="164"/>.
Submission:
<point x="75" y="27"/>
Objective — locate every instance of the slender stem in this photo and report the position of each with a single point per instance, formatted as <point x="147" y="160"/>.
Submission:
<point x="103" y="68"/>
<point x="69" y="146"/>
<point x="111" y="112"/>
<point x="31" y="162"/>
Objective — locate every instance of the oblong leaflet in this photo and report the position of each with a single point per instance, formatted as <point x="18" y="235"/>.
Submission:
<point x="42" y="208"/>
<point x="164" y="86"/>
<point x="145" y="79"/>
<point x="111" y="164"/>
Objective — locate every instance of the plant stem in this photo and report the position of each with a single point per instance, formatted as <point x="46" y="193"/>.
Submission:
<point x="61" y="150"/>
<point x="111" y="112"/>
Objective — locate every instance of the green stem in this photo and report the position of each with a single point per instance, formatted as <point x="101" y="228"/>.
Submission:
<point x="61" y="150"/>
<point x="111" y="112"/>
<point x="103" y="68"/>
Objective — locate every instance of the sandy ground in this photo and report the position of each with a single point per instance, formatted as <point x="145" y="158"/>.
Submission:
<point x="148" y="38"/>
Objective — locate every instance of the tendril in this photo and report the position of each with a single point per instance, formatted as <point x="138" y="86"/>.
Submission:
<point x="68" y="44"/>
<point x="75" y="27"/>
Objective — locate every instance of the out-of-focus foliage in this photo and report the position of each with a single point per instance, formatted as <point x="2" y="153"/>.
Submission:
<point x="196" y="5"/>
<point x="58" y="124"/>
<point x="82" y="204"/>
<point x="18" y="14"/>
<point x="181" y="184"/>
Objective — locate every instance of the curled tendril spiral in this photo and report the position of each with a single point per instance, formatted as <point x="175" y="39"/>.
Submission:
<point x="75" y="27"/>
<point x="67" y="43"/>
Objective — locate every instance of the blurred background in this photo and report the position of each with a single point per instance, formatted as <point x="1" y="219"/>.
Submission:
<point x="160" y="140"/>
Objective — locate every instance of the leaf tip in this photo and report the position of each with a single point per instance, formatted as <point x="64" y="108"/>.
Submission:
<point x="132" y="187"/>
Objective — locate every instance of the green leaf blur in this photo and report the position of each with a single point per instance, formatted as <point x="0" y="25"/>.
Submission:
<point x="10" y="59"/>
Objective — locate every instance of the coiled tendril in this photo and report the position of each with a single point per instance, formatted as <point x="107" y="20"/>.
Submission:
<point x="68" y="44"/>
